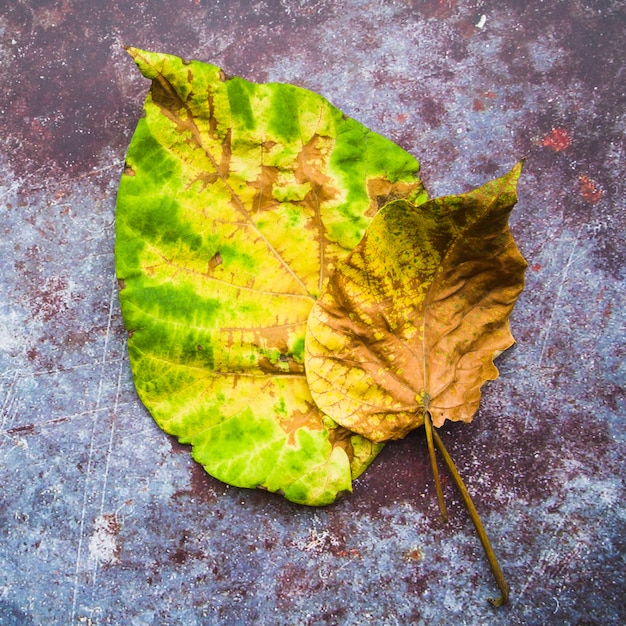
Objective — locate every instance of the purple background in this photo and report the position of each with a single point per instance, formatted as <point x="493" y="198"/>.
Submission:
<point x="106" y="520"/>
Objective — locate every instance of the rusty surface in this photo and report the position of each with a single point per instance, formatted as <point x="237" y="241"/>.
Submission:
<point x="105" y="520"/>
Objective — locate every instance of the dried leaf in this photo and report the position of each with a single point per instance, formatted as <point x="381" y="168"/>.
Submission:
<point x="237" y="202"/>
<point x="412" y="319"/>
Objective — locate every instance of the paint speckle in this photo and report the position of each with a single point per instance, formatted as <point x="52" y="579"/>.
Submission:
<point x="557" y="139"/>
<point x="590" y="190"/>
<point x="414" y="554"/>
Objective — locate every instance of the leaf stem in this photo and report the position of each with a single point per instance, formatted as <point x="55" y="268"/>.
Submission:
<point x="491" y="557"/>
<point x="428" y="426"/>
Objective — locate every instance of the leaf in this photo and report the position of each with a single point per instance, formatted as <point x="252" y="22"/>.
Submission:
<point x="412" y="319"/>
<point x="237" y="202"/>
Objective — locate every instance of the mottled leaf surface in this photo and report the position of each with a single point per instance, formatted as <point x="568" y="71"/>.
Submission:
<point x="237" y="202"/>
<point x="412" y="319"/>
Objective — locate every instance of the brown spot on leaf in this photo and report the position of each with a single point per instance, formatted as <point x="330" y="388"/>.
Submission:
<point x="165" y="97"/>
<point x="297" y="419"/>
<point x="311" y="167"/>
<point x="284" y="365"/>
<point x="342" y="437"/>
<point x="264" y="183"/>
<point x="215" y="261"/>
<point x="383" y="191"/>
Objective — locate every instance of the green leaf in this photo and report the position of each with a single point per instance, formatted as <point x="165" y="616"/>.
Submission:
<point x="237" y="202"/>
<point x="412" y="319"/>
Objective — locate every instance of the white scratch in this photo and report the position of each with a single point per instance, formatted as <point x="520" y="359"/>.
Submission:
<point x="556" y="555"/>
<point x="8" y="401"/>
<point x="571" y="259"/>
<point x="94" y="424"/>
<point x="108" y="462"/>
<point x="548" y="328"/>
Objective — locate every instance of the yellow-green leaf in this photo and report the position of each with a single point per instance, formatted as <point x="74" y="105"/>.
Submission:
<point x="412" y="319"/>
<point x="237" y="202"/>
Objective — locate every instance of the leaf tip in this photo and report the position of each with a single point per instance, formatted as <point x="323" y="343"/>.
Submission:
<point x="516" y="170"/>
<point x="134" y="53"/>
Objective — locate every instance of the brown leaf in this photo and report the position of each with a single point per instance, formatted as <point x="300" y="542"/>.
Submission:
<point x="412" y="319"/>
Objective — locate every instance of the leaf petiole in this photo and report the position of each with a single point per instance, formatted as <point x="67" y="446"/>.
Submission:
<point x="482" y="535"/>
<point x="428" y="426"/>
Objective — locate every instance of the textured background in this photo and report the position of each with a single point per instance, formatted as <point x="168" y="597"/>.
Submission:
<point x="106" y="520"/>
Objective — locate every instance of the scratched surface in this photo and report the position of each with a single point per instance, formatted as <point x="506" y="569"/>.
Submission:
<point x="106" y="520"/>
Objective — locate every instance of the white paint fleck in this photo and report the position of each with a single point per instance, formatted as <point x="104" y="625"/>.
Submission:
<point x="103" y="546"/>
<point x="317" y="541"/>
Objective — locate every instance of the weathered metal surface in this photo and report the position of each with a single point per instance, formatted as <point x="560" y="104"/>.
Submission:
<point x="106" y="520"/>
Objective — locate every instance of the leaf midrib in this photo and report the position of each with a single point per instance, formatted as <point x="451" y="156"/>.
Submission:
<point x="485" y="209"/>
<point x="168" y="262"/>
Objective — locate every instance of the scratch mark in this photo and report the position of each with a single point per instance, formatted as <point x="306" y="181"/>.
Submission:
<point x="555" y="304"/>
<point x="112" y="432"/>
<point x="107" y="464"/>
<point x="90" y="462"/>
<point x="554" y="558"/>
<point x="7" y="404"/>
<point x="548" y="328"/>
